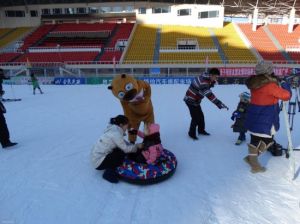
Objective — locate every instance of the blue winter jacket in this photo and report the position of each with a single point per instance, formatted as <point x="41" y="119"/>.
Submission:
<point x="263" y="111"/>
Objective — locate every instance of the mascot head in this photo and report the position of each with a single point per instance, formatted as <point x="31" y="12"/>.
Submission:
<point x="124" y="87"/>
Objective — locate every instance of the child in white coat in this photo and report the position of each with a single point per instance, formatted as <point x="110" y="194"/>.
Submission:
<point x="110" y="149"/>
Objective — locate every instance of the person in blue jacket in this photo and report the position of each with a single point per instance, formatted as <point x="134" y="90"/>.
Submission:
<point x="262" y="118"/>
<point x="239" y="117"/>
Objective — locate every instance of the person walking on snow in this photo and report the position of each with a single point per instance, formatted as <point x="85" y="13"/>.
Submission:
<point x="35" y="83"/>
<point x="2" y="77"/>
<point x="239" y="117"/>
<point x="198" y="89"/>
<point x="262" y="118"/>
<point x="4" y="133"/>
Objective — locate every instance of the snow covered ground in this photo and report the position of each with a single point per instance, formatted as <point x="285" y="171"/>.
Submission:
<point x="48" y="177"/>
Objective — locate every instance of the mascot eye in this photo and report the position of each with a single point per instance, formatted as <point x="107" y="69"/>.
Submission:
<point x="129" y="86"/>
<point x="121" y="95"/>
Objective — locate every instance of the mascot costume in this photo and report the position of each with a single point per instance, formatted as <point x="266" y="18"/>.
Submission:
<point x="135" y="97"/>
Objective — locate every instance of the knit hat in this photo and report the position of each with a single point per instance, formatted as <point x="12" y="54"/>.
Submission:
<point x="118" y="120"/>
<point x="153" y="128"/>
<point x="264" y="68"/>
<point x="245" y="96"/>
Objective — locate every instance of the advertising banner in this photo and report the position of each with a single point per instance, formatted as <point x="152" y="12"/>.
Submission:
<point x="247" y="71"/>
<point x="69" y="81"/>
<point x="23" y="80"/>
<point x="167" y="80"/>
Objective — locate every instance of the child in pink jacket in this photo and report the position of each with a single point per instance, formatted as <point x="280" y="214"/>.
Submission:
<point x="152" y="145"/>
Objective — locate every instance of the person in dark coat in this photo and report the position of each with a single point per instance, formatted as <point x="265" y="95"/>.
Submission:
<point x="239" y="116"/>
<point x="200" y="88"/>
<point x="262" y="120"/>
<point x="4" y="133"/>
<point x="2" y="77"/>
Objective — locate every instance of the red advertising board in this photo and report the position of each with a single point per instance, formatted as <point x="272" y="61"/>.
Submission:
<point x="247" y="71"/>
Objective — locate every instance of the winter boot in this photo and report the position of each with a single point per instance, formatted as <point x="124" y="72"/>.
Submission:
<point x="193" y="136"/>
<point x="238" y="142"/>
<point x="9" y="144"/>
<point x="203" y="132"/>
<point x="252" y="159"/>
<point x="242" y="138"/>
<point x="110" y="175"/>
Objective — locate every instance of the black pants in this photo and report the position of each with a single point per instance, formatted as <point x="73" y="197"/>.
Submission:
<point x="137" y="157"/>
<point x="37" y="87"/>
<point x="256" y="139"/>
<point x="197" y="119"/>
<point x="112" y="160"/>
<point x="4" y="133"/>
<point x="242" y="136"/>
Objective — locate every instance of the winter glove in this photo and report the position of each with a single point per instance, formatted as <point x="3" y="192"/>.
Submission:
<point x="133" y="131"/>
<point x="140" y="146"/>
<point x="285" y="85"/>
<point x="235" y="114"/>
<point x="221" y="105"/>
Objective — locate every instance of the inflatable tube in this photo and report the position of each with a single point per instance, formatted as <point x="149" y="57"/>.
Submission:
<point x="141" y="173"/>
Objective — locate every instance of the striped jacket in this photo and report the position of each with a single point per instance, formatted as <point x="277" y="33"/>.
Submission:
<point x="200" y="88"/>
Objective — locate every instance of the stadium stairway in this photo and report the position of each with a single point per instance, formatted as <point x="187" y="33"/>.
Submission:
<point x="7" y="33"/>
<point x="112" y="34"/>
<point x="157" y="46"/>
<point x="277" y="44"/>
<point x="217" y="44"/>
<point x="97" y="58"/>
<point x="44" y="37"/>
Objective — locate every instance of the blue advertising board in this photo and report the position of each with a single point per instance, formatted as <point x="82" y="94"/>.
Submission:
<point x="69" y="81"/>
<point x="167" y="80"/>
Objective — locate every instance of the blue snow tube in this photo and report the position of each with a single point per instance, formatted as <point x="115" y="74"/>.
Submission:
<point x="141" y="173"/>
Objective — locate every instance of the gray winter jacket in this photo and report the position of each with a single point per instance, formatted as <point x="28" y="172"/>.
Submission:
<point x="113" y="137"/>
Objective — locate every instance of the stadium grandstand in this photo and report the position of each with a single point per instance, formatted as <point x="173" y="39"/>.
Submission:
<point x="168" y="38"/>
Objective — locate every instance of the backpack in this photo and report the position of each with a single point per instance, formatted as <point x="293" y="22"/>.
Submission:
<point x="276" y="149"/>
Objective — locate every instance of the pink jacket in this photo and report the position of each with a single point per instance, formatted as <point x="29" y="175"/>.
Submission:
<point x="153" y="151"/>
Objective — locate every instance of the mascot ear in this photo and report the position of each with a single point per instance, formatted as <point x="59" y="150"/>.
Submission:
<point x="110" y="87"/>
<point x="123" y="76"/>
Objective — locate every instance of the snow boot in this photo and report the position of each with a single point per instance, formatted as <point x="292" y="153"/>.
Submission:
<point x="252" y="158"/>
<point x="238" y="142"/>
<point x="193" y="136"/>
<point x="9" y="144"/>
<point x="110" y="175"/>
<point x="203" y="132"/>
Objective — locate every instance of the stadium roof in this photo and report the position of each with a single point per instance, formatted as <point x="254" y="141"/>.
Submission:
<point x="278" y="7"/>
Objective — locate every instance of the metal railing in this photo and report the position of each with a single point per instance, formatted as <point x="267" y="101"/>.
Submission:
<point x="161" y="63"/>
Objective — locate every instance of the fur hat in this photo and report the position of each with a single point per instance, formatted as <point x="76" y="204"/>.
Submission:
<point x="245" y="96"/>
<point x="264" y="68"/>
